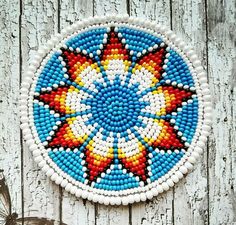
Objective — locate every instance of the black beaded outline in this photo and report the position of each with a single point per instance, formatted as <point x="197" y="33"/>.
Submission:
<point x="65" y="59"/>
<point x="197" y="143"/>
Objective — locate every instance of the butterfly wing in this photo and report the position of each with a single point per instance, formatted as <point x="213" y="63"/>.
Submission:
<point x="5" y="209"/>
<point x="5" y="199"/>
<point x="37" y="221"/>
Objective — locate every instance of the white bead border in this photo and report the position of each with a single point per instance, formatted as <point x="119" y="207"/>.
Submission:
<point x="135" y="194"/>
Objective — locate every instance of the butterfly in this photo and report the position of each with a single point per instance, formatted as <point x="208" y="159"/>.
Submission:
<point x="7" y="217"/>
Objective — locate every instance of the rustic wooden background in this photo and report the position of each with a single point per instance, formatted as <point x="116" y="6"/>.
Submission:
<point x="207" y="195"/>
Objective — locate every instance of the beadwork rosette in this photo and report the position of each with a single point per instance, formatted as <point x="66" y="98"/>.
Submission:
<point x="115" y="109"/>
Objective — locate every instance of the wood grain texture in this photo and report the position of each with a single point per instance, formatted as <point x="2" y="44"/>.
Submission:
<point x="103" y="7"/>
<point x="191" y="194"/>
<point x="38" y="23"/>
<point x="221" y="70"/>
<point x="10" y="142"/>
<point x="205" y="196"/>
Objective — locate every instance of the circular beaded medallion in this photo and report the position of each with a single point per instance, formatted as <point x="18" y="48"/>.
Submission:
<point x="115" y="109"/>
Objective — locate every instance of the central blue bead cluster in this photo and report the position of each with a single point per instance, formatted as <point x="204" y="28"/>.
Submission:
<point x="116" y="107"/>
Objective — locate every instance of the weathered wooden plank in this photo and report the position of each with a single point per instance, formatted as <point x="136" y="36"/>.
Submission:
<point x="104" y="7"/>
<point x="157" y="211"/>
<point x="222" y="154"/>
<point x="159" y="11"/>
<point x="72" y="11"/>
<point x="191" y="194"/>
<point x="75" y="210"/>
<point x="39" y="22"/>
<point x="111" y="214"/>
<point x="10" y="144"/>
<point x="160" y="209"/>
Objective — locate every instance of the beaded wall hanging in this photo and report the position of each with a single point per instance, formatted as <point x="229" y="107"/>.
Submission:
<point x="115" y="109"/>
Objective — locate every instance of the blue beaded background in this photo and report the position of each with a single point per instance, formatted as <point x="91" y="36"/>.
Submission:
<point x="70" y="162"/>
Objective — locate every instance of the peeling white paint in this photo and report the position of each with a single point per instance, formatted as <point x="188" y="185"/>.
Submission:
<point x="207" y="195"/>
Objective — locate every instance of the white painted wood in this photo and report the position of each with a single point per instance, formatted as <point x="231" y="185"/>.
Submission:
<point x="41" y="196"/>
<point x="222" y="152"/>
<point x="160" y="209"/>
<point x="10" y="144"/>
<point x="112" y="215"/>
<point x="159" y="11"/>
<point x="191" y="194"/>
<point x="103" y="7"/>
<point x="157" y="211"/>
<point x="76" y="211"/>
<point x="207" y="195"/>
